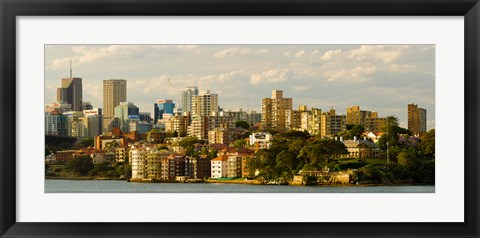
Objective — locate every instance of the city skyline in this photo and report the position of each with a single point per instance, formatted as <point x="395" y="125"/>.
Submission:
<point x="381" y="78"/>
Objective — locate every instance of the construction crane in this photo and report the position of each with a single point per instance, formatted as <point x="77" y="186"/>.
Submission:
<point x="177" y="105"/>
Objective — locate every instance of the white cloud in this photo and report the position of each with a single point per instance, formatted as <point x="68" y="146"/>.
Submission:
<point x="330" y="54"/>
<point x="263" y="51"/>
<point x="348" y="73"/>
<point x="231" y="52"/>
<point x="385" y="53"/>
<point x="299" y="54"/>
<point x="189" y="48"/>
<point x="402" y="67"/>
<point x="269" y="76"/>
<point x="300" y="88"/>
<point x="86" y="55"/>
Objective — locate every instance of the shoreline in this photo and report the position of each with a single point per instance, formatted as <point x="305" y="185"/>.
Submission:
<point x="247" y="182"/>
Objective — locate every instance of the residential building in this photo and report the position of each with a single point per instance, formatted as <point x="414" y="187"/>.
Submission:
<point x="293" y="120"/>
<point x="139" y="163"/>
<point x="260" y="140"/>
<point x="187" y="95"/>
<point x="368" y="119"/>
<point x="114" y="92"/>
<point x="274" y="111"/>
<point x="219" y="167"/>
<point x="121" y="154"/>
<point x="204" y="104"/>
<point x="253" y="117"/>
<point x="417" y="119"/>
<point x="361" y="149"/>
<point x="332" y="123"/>
<point x="314" y="121"/>
<point x="200" y="125"/>
<point x="179" y="122"/>
<point x="241" y="156"/>
<point x="221" y="136"/>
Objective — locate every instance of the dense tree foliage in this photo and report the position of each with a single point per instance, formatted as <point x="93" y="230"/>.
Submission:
<point x="187" y="143"/>
<point x="80" y="165"/>
<point x="242" y="124"/>
<point x="239" y="143"/>
<point x="352" y="132"/>
<point x="87" y="142"/>
<point x="291" y="152"/>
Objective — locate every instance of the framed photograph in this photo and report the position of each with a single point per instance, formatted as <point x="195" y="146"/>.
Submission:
<point x="255" y="119"/>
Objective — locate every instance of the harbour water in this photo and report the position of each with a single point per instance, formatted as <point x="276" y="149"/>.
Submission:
<point x="115" y="186"/>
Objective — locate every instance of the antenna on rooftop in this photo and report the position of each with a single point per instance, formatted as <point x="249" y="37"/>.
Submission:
<point x="70" y="68"/>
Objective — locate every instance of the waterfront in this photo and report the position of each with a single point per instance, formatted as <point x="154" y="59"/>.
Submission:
<point x="114" y="186"/>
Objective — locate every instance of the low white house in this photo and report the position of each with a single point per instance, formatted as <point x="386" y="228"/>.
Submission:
<point x="219" y="166"/>
<point x="260" y="140"/>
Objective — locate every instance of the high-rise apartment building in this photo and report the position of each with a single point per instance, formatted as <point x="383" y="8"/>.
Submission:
<point x="114" y="92"/>
<point x="314" y="125"/>
<point x="162" y="106"/>
<point x="274" y="111"/>
<point x="187" y="95"/>
<point x="417" y="119"/>
<point x="204" y="103"/>
<point x="368" y="119"/>
<point x="332" y="123"/>
<point x="71" y="92"/>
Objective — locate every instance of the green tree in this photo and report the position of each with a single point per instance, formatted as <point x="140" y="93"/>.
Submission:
<point x="212" y="153"/>
<point x="80" y="165"/>
<point x="111" y="146"/>
<point x="87" y="142"/>
<point x="292" y="135"/>
<point x="204" y="151"/>
<point x="407" y="157"/>
<point x="322" y="151"/>
<point x="296" y="146"/>
<point x="286" y="163"/>
<point x="100" y="169"/>
<point x="187" y="143"/>
<point x="239" y="143"/>
<point x="242" y="124"/>
<point x="162" y="147"/>
<point x="427" y="144"/>
<point x="357" y="130"/>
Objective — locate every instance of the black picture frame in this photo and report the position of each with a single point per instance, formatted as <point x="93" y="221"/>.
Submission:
<point x="10" y="9"/>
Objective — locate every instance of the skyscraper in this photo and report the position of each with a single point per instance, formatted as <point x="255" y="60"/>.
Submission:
<point x="417" y="119"/>
<point x="114" y="92"/>
<point x="124" y="112"/>
<point x="162" y="106"/>
<point x="204" y="103"/>
<point x="71" y="91"/>
<point x="274" y="111"/>
<point x="187" y="95"/>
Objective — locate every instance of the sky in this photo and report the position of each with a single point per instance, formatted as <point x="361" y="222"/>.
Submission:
<point x="381" y="78"/>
